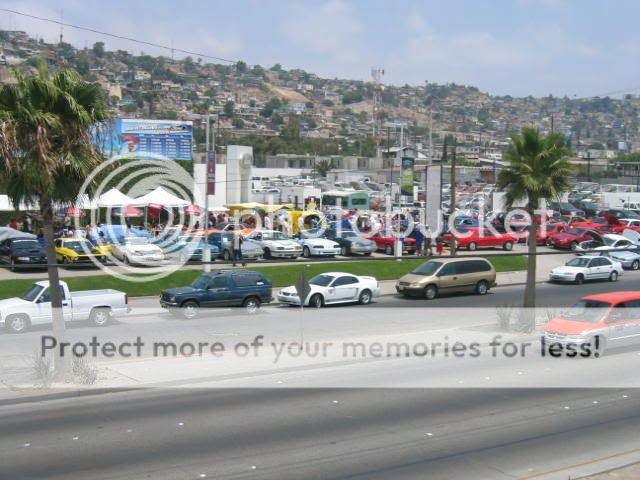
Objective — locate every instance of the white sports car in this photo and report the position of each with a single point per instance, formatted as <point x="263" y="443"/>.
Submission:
<point x="139" y="251"/>
<point x="276" y="244"/>
<point x="318" y="247"/>
<point x="334" y="287"/>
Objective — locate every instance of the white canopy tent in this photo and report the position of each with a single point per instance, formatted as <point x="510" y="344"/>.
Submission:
<point x="6" y="205"/>
<point x="113" y="198"/>
<point x="160" y="196"/>
<point x="8" y="232"/>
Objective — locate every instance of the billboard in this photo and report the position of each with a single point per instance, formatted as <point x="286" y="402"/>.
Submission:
<point x="406" y="176"/>
<point x="140" y="138"/>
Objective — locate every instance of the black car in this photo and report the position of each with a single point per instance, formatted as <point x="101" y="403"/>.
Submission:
<point x="565" y="208"/>
<point x="23" y="252"/>
<point x="221" y="288"/>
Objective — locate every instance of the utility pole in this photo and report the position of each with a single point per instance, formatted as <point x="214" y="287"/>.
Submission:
<point x="390" y="164"/>
<point x="452" y="246"/>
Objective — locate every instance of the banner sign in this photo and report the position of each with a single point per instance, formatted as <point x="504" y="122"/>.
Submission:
<point x="211" y="173"/>
<point x="406" y="176"/>
<point x="433" y="197"/>
<point x="148" y="139"/>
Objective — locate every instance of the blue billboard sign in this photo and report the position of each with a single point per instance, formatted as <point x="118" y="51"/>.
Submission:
<point x="139" y="138"/>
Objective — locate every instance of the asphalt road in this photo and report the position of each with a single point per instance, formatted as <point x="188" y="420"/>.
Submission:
<point x="283" y="433"/>
<point x="329" y="434"/>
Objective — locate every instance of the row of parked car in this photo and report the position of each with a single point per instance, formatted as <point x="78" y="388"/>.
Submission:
<point x="249" y="289"/>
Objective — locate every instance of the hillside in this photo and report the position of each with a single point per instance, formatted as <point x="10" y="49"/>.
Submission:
<point x="255" y="103"/>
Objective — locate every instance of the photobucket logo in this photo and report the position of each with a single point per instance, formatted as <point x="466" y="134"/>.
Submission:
<point x="154" y="194"/>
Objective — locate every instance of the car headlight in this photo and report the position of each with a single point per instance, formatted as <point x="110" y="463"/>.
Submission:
<point x="172" y="298"/>
<point x="23" y="259"/>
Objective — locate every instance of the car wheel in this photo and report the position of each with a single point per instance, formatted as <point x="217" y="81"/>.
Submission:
<point x="367" y="254"/>
<point x="226" y="255"/>
<point x="190" y="309"/>
<point x="613" y="276"/>
<point x="251" y="304"/>
<point x="100" y="316"/>
<point x="65" y="261"/>
<point x="267" y="253"/>
<point x="472" y="246"/>
<point x="430" y="292"/>
<point x="316" y="301"/>
<point x="508" y="246"/>
<point x="635" y="265"/>
<point x="344" y="251"/>
<point x="579" y="279"/>
<point x="306" y="253"/>
<point x="482" y="287"/>
<point x="18" y="324"/>
<point x="573" y="245"/>
<point x="365" y="297"/>
<point x="388" y="249"/>
<point x="125" y="260"/>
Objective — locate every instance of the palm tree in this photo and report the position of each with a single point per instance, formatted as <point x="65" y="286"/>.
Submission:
<point x="322" y="167"/>
<point x="47" y="153"/>
<point x="538" y="169"/>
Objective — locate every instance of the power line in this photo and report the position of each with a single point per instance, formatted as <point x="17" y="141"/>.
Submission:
<point x="113" y="35"/>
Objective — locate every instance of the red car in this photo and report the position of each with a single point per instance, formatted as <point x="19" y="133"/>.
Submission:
<point x="569" y="239"/>
<point x="626" y="224"/>
<point x="597" y="223"/>
<point x="542" y="232"/>
<point x="386" y="240"/>
<point x="473" y="238"/>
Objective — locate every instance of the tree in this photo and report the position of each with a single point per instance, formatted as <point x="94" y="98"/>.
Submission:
<point x="229" y="108"/>
<point x="98" y="49"/>
<point x="538" y="168"/>
<point x="241" y="67"/>
<point x="47" y="153"/>
<point x="238" y="122"/>
<point x="322" y="167"/>
<point x="276" y="68"/>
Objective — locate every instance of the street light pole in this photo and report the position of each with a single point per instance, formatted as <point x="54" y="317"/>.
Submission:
<point x="204" y="222"/>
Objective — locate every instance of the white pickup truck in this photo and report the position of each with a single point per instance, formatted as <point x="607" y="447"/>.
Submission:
<point x="34" y="307"/>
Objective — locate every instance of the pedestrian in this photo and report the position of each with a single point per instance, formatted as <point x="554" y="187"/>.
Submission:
<point x="268" y="224"/>
<point x="439" y="247"/>
<point x="13" y="224"/>
<point x="237" y="249"/>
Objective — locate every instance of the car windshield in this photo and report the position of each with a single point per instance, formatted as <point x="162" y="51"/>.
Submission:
<point x="578" y="262"/>
<point x="137" y="241"/>
<point x="78" y="245"/>
<point x="321" y="280"/>
<point x="609" y="241"/>
<point x="33" y="292"/>
<point x="201" y="282"/>
<point x="24" y="244"/>
<point x="274" y="236"/>
<point x="590" y="311"/>
<point x="575" y="231"/>
<point x="427" y="268"/>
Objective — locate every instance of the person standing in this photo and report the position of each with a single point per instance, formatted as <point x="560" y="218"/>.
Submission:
<point x="237" y="249"/>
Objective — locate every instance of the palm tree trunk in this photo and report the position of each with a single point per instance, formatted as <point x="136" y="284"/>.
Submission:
<point x="528" y="319"/>
<point x="61" y="364"/>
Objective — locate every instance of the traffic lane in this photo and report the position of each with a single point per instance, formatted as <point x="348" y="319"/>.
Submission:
<point x="287" y="322"/>
<point x="552" y="295"/>
<point x="284" y="434"/>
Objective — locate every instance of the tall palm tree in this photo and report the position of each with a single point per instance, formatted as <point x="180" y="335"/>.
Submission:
<point x="538" y="168"/>
<point x="47" y="153"/>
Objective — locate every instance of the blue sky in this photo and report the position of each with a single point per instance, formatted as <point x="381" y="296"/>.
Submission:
<point x="516" y="47"/>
